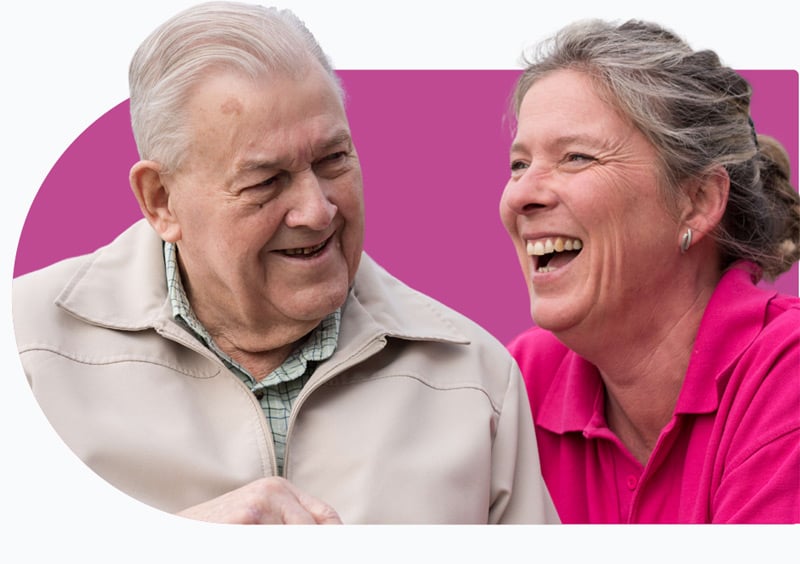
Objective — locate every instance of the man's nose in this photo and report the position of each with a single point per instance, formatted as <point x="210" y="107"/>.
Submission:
<point x="310" y="205"/>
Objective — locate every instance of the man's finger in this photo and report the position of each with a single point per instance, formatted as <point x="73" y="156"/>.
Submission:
<point x="322" y="513"/>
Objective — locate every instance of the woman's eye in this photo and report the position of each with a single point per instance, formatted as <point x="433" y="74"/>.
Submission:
<point x="578" y="158"/>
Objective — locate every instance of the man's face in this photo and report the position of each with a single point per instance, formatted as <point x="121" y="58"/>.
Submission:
<point x="268" y="201"/>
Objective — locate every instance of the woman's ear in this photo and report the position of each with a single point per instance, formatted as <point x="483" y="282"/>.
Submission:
<point x="705" y="202"/>
<point x="153" y="197"/>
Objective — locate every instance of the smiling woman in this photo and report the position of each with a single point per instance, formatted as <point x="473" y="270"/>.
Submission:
<point x="662" y="381"/>
<point x="582" y="173"/>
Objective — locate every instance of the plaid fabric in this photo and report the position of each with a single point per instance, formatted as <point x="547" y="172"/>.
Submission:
<point x="279" y="389"/>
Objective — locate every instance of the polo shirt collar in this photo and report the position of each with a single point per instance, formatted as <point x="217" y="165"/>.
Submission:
<point x="576" y="399"/>
<point x="734" y="317"/>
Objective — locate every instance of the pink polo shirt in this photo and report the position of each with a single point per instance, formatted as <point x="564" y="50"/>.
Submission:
<point x="730" y="453"/>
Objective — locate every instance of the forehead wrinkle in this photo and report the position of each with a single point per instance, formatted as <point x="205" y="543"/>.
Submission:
<point x="270" y="163"/>
<point x="563" y="141"/>
<point x="340" y="136"/>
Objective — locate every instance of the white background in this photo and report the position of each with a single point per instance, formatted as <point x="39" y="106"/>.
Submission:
<point x="64" y="64"/>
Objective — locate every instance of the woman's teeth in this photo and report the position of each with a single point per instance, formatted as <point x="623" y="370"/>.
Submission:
<point x="546" y="249"/>
<point x="557" y="245"/>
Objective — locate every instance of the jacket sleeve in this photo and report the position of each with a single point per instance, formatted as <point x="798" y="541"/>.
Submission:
<point x="519" y="494"/>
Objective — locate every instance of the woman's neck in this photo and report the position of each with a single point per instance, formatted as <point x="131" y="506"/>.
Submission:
<point x="643" y="361"/>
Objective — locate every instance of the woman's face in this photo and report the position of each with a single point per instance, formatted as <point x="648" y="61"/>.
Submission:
<point x="584" y="210"/>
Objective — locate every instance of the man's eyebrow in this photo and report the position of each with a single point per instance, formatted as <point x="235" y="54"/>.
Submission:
<point x="342" y="136"/>
<point x="255" y="164"/>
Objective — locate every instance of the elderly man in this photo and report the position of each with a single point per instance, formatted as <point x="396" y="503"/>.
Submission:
<point x="235" y="356"/>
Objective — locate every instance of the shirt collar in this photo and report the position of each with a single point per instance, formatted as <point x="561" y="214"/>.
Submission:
<point x="732" y="320"/>
<point x="576" y="399"/>
<point x="378" y="306"/>
<point x="320" y="344"/>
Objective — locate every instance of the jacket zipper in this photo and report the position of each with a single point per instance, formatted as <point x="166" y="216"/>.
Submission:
<point x="166" y="331"/>
<point x="371" y="348"/>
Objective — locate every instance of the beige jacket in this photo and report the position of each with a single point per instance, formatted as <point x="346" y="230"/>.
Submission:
<point x="419" y="417"/>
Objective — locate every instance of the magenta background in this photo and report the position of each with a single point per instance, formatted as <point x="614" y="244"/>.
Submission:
<point x="434" y="152"/>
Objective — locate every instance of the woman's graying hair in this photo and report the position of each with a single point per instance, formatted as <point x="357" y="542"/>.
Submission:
<point x="696" y="112"/>
<point x="187" y="48"/>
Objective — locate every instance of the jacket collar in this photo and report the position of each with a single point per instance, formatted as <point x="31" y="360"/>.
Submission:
<point x="395" y="310"/>
<point x="123" y="287"/>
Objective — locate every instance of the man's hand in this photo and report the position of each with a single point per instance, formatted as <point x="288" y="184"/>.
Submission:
<point x="265" y="501"/>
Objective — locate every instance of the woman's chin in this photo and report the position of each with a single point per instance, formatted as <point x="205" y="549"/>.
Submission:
<point x="552" y="316"/>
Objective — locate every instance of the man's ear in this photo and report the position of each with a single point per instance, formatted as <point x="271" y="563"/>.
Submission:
<point x="153" y="197"/>
<point x="705" y="202"/>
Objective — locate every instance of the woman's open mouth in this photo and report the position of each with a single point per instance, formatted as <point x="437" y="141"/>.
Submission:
<point x="552" y="253"/>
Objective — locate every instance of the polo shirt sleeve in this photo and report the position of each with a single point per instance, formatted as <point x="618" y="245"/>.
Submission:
<point x="759" y="481"/>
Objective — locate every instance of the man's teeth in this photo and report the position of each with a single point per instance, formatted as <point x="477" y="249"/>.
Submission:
<point x="557" y="245"/>
<point x="304" y="251"/>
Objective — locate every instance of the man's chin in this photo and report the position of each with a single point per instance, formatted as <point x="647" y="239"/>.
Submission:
<point x="314" y="305"/>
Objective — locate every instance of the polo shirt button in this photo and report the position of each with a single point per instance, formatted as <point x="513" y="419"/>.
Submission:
<point x="632" y="482"/>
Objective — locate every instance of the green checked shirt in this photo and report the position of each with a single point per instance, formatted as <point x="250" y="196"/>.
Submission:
<point x="279" y="389"/>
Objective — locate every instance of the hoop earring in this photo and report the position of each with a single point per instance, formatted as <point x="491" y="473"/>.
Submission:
<point x="686" y="240"/>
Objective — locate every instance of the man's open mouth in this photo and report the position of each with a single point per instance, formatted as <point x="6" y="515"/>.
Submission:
<point x="306" y="252"/>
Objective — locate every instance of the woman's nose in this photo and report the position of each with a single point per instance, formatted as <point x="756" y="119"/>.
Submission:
<point x="529" y="191"/>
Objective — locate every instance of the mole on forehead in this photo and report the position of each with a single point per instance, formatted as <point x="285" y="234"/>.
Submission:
<point x="231" y="106"/>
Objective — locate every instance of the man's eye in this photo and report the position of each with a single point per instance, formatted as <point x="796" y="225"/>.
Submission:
<point x="333" y="157"/>
<point x="518" y="165"/>
<point x="265" y="183"/>
<point x="270" y="183"/>
<point x="332" y="165"/>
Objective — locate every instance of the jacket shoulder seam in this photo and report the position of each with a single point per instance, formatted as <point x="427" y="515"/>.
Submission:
<point x="424" y="382"/>
<point x="116" y="359"/>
